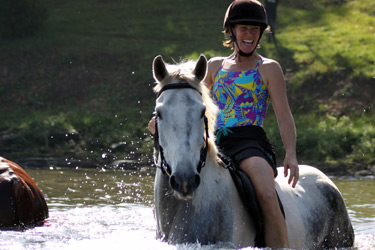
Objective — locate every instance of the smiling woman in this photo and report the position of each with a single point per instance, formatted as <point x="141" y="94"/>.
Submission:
<point x="243" y="84"/>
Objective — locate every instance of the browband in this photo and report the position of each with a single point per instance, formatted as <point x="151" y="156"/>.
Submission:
<point x="177" y="85"/>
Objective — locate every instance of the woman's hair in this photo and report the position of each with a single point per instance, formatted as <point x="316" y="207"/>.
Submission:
<point x="227" y="40"/>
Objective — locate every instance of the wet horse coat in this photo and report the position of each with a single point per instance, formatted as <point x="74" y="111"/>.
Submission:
<point x="202" y="205"/>
<point x="21" y="202"/>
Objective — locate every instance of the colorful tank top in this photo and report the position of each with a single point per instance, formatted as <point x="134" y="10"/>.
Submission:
<point x="242" y="98"/>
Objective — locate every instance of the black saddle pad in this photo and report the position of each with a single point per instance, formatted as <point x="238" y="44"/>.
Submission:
<point x="247" y="193"/>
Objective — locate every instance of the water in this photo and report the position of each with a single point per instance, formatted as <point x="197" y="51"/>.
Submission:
<point x="359" y="195"/>
<point x="92" y="209"/>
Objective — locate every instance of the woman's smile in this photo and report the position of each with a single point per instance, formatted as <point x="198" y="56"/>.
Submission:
<point x="247" y="45"/>
<point x="248" y="42"/>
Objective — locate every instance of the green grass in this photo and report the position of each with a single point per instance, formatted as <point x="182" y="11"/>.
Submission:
<point x="89" y="71"/>
<point x="338" y="39"/>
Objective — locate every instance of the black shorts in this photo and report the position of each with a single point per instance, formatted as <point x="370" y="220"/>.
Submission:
<point x="240" y="143"/>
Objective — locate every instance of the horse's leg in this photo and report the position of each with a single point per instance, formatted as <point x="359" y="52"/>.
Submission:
<point x="7" y="204"/>
<point x="164" y="206"/>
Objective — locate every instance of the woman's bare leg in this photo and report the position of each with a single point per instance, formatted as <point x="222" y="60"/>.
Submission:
<point x="261" y="174"/>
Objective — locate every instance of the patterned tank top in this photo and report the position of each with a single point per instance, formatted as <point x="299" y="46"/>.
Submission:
<point x="242" y="98"/>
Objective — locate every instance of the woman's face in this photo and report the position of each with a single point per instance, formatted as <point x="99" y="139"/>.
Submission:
<point x="247" y="36"/>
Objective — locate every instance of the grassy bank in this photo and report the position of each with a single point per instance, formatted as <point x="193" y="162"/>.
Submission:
<point x="82" y="86"/>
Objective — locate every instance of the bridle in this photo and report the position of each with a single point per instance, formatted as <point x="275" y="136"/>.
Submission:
<point x="164" y="166"/>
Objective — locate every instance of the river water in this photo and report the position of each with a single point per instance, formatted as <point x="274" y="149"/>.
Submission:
<point x="112" y="209"/>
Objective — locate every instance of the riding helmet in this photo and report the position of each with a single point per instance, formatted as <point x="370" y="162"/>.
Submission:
<point x="246" y="12"/>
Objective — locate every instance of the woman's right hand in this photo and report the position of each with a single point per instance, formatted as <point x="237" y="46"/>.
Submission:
<point x="151" y="125"/>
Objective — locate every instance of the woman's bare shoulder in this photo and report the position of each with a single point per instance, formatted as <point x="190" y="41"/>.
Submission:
<point x="215" y="61"/>
<point x="213" y="66"/>
<point x="271" y="71"/>
<point x="268" y="62"/>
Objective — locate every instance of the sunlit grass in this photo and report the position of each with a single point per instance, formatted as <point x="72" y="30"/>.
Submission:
<point x="335" y="39"/>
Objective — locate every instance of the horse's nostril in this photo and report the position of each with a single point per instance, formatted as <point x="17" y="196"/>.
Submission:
<point x="195" y="181"/>
<point x="184" y="186"/>
<point x="174" y="182"/>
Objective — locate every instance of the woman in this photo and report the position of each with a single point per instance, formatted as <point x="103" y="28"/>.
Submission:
<point x="242" y="85"/>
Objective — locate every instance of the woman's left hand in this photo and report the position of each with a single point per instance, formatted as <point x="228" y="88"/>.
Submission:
<point x="291" y="163"/>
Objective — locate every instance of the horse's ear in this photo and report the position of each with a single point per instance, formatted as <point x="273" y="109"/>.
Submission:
<point x="159" y="70"/>
<point x="201" y="68"/>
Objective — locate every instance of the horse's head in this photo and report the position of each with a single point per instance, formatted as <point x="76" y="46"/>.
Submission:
<point x="181" y="122"/>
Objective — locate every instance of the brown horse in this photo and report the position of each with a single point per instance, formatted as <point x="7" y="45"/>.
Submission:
<point x="22" y="204"/>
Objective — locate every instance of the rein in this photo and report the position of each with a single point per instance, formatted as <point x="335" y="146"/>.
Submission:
<point x="164" y="166"/>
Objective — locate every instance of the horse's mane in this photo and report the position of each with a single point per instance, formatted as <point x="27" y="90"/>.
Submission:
<point x="183" y="72"/>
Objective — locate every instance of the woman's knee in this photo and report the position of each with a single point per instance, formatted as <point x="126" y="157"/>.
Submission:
<point x="261" y="175"/>
<point x="267" y="197"/>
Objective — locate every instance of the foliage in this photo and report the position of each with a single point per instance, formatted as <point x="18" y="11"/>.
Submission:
<point x="308" y="4"/>
<point x="327" y="55"/>
<point x="21" y="18"/>
<point x="80" y="134"/>
<point x="330" y="141"/>
<point x="89" y="71"/>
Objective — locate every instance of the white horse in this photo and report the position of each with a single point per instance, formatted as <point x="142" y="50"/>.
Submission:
<point x="196" y="199"/>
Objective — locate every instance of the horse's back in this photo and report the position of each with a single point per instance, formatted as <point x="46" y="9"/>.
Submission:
<point x="315" y="211"/>
<point x="21" y="201"/>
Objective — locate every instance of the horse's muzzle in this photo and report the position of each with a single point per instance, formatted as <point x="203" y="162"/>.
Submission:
<point x="184" y="184"/>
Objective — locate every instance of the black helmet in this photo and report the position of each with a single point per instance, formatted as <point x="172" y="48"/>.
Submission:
<point x="246" y="12"/>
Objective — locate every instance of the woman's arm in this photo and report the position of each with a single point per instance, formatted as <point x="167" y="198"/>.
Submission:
<point x="277" y="89"/>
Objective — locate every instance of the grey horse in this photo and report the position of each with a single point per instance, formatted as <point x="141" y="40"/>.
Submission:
<point x="196" y="199"/>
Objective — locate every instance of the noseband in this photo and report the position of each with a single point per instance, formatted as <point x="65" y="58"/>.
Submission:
<point x="164" y="166"/>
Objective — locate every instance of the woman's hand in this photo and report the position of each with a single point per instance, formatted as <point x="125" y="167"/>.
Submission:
<point x="151" y="125"/>
<point x="290" y="162"/>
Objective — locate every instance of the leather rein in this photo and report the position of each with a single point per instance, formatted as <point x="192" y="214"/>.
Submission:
<point x="164" y="166"/>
